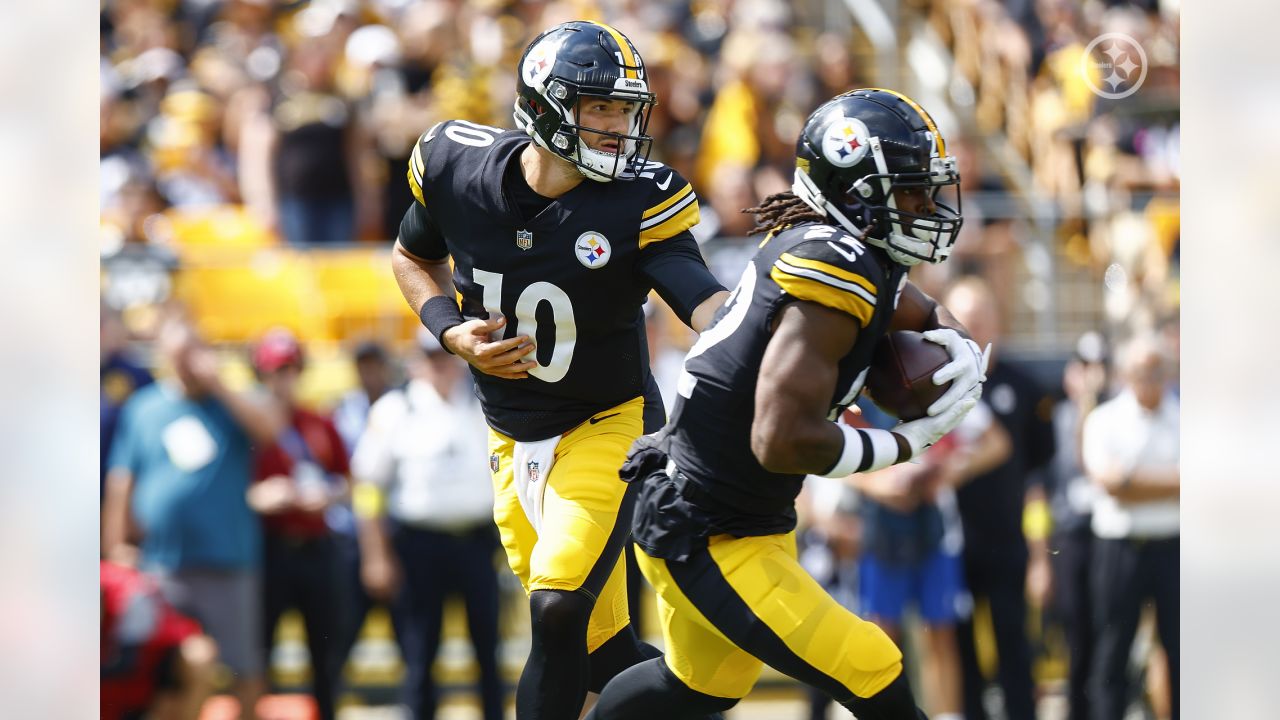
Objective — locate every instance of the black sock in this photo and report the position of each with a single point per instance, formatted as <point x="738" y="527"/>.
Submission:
<point x="894" y="702"/>
<point x="553" y="685"/>
<point x="617" y="654"/>
<point x="649" y="690"/>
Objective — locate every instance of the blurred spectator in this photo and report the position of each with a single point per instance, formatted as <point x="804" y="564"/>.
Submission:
<point x="137" y="265"/>
<point x="422" y="460"/>
<point x="119" y="376"/>
<point x="1084" y="381"/>
<point x="729" y="194"/>
<point x="302" y="149"/>
<point x="155" y="661"/>
<point x="912" y="544"/>
<point x="298" y="478"/>
<point x="1002" y="564"/>
<point x="1130" y="447"/>
<point x="374" y="379"/>
<point x="192" y="169"/>
<point x="754" y="119"/>
<point x="177" y="476"/>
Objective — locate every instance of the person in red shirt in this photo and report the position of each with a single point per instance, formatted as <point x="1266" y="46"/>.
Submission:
<point x="156" y="662"/>
<point x="297" y="479"/>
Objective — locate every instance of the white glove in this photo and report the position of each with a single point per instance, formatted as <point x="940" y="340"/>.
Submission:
<point x="922" y="433"/>
<point x="967" y="369"/>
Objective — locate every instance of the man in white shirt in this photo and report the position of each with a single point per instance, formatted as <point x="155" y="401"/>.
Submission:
<point x="425" y="505"/>
<point x="1130" y="450"/>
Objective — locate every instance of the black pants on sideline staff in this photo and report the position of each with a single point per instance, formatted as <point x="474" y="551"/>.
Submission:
<point x="1000" y="577"/>
<point x="303" y="574"/>
<point x="434" y="565"/>
<point x="1071" y="556"/>
<point x="1126" y="574"/>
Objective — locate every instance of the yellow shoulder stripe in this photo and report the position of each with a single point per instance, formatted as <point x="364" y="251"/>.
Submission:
<point x="414" y="186"/>
<point x="803" y="288"/>
<point x="688" y="188"/>
<point x="829" y="269"/>
<point x="417" y="160"/>
<point x="686" y="218"/>
<point x="628" y="58"/>
<point x="416" y="170"/>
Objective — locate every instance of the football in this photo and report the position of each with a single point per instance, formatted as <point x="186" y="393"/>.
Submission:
<point x="900" y="379"/>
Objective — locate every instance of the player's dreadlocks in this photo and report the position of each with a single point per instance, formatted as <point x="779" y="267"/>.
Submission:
<point x="782" y="209"/>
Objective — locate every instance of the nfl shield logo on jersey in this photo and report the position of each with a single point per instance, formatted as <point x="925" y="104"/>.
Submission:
<point x="524" y="239"/>
<point x="493" y="463"/>
<point x="534" y="472"/>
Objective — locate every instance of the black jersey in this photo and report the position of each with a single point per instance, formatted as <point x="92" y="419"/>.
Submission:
<point x="573" y="277"/>
<point x="710" y="430"/>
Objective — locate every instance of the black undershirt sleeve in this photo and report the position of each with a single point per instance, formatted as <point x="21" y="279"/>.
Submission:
<point x="420" y="235"/>
<point x="675" y="268"/>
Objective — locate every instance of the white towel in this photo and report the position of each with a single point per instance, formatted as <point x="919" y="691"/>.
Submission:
<point x="532" y="462"/>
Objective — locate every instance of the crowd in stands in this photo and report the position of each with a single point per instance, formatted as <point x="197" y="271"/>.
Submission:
<point x="253" y="155"/>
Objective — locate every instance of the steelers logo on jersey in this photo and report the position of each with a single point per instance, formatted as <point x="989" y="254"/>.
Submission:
<point x="846" y="142"/>
<point x="592" y="249"/>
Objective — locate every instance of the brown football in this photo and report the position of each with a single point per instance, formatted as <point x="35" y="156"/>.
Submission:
<point x="900" y="379"/>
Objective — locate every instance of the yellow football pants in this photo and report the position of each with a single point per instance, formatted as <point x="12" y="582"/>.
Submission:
<point x="743" y="602"/>
<point x="580" y="543"/>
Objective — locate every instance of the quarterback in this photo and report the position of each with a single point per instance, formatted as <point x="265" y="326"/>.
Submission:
<point x="715" y="515"/>
<point x="529" y="253"/>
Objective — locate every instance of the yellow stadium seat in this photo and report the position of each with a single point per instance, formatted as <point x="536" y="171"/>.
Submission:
<point x="238" y="300"/>
<point x="199" y="231"/>
<point x="361" y="295"/>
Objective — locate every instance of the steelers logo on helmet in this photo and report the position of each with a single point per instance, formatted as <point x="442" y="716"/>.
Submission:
<point x="592" y="249"/>
<point x="539" y="62"/>
<point x="845" y="142"/>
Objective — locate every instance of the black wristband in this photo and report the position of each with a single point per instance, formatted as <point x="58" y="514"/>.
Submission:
<point x="438" y="314"/>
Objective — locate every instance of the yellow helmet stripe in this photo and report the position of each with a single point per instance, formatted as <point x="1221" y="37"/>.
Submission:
<point x="928" y="121"/>
<point x="628" y="57"/>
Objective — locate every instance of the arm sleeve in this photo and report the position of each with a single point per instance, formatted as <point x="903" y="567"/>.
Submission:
<point x="420" y="235"/>
<point x="675" y="269"/>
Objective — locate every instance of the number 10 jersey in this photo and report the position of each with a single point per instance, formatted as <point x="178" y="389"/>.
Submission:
<point x="573" y="278"/>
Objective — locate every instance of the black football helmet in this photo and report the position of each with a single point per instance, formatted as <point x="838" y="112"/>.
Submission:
<point x="583" y="59"/>
<point x="856" y="149"/>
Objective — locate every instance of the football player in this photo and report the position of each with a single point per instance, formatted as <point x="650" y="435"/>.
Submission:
<point x="529" y="254"/>
<point x="715" y="515"/>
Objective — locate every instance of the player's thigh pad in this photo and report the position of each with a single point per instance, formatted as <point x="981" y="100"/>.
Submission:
<point x="580" y="542"/>
<point x="514" y="528"/>
<point x="696" y="651"/>
<point x="754" y="591"/>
